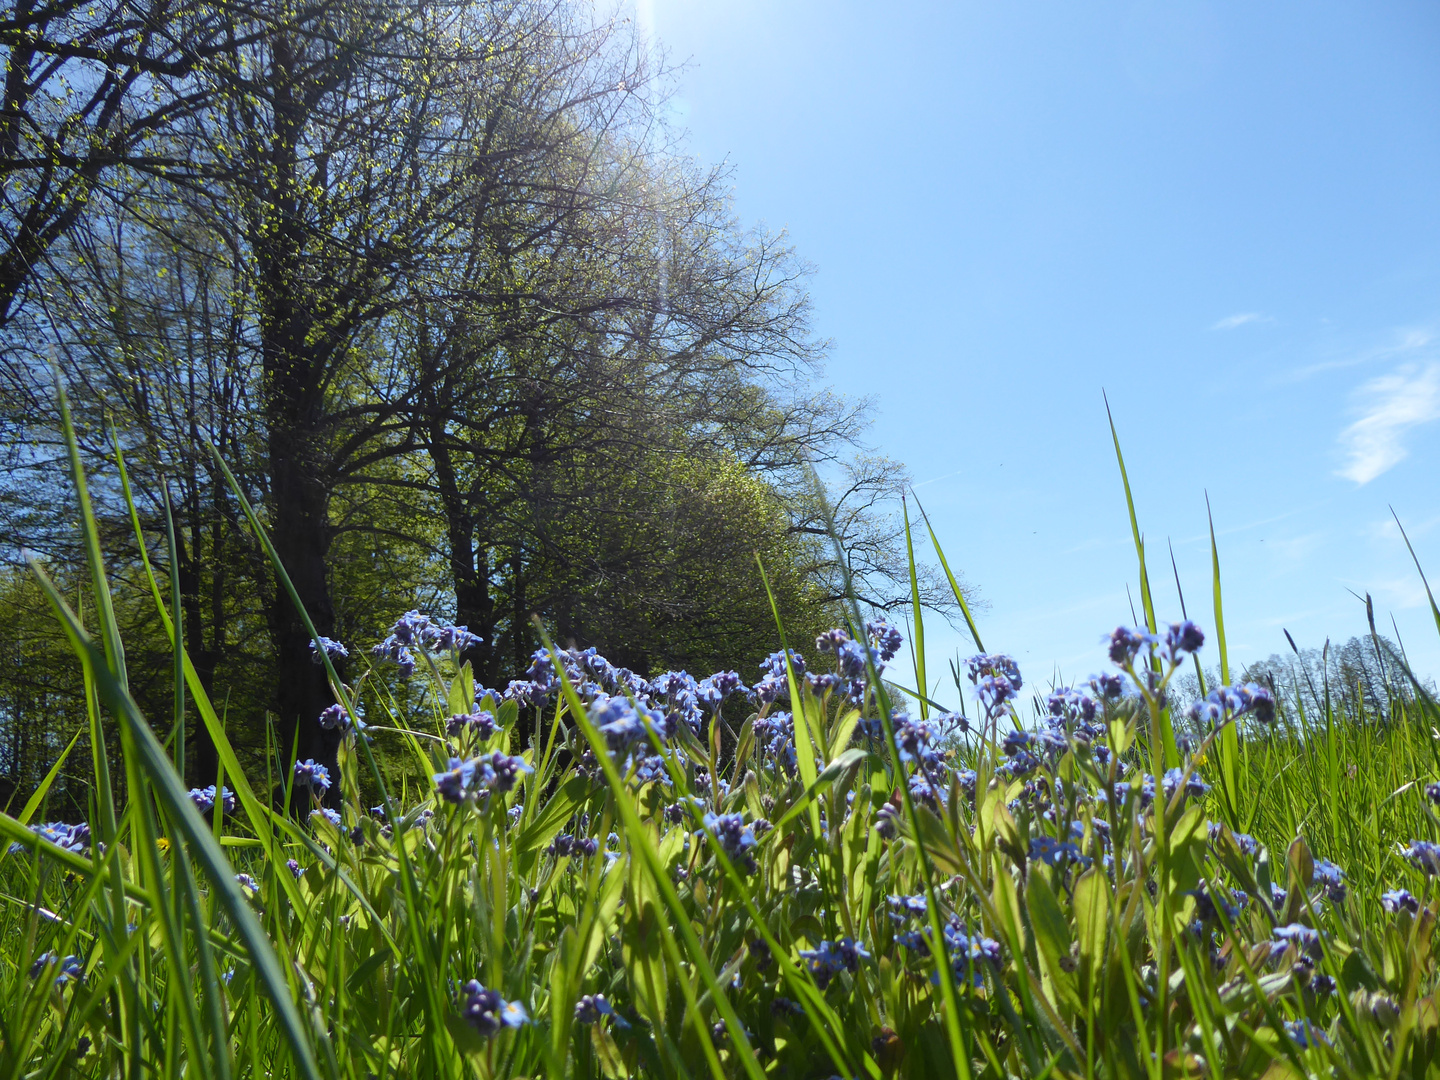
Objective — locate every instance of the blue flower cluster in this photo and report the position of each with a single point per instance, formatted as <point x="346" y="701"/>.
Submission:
<point x="997" y="683"/>
<point x="1399" y="900"/>
<point x="774" y="683"/>
<point x="1424" y="855"/>
<point x="322" y="647"/>
<point x="775" y="735"/>
<point x="736" y="838"/>
<point x="335" y="718"/>
<point x="970" y="953"/>
<point x="1247" y="844"/>
<point x="675" y="695"/>
<point x="73" y="838"/>
<point x="854" y="660"/>
<point x="67" y="969"/>
<point x="592" y="1007"/>
<point x="416" y="630"/>
<point x="313" y="775"/>
<point x="474" y="780"/>
<point x="205" y="799"/>
<point x="479" y="725"/>
<point x="565" y="844"/>
<point x="627" y="726"/>
<point x="829" y="958"/>
<point x="487" y="1012"/>
<point x="1226" y="703"/>
<point x="1046" y="849"/>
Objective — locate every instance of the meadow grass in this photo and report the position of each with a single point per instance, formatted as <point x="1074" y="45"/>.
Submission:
<point x="676" y="877"/>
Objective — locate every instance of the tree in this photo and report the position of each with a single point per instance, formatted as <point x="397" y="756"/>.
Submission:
<point x="94" y="94"/>
<point x="443" y="295"/>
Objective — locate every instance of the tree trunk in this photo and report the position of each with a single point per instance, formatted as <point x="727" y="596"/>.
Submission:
<point x="301" y="533"/>
<point x="294" y="367"/>
<point x="469" y="566"/>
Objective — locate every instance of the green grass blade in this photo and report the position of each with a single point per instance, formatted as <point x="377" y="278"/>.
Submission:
<point x="804" y="745"/>
<point x="917" y="646"/>
<point x="177" y="636"/>
<point x="108" y="831"/>
<point x="38" y="796"/>
<point x="1146" y="601"/>
<point x="1434" y="608"/>
<point x="1228" y="745"/>
<point x="1219" y="606"/>
<point x="1169" y="752"/>
<point x="183" y="876"/>
<point x="409" y="887"/>
<point x="954" y="585"/>
<point x="173" y="797"/>
<point x="104" y="794"/>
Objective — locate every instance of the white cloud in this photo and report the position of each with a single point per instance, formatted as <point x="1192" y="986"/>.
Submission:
<point x="1391" y="405"/>
<point x="1230" y="322"/>
<point x="1405" y="341"/>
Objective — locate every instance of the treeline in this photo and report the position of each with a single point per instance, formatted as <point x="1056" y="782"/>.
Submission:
<point x="1361" y="680"/>
<point x="436" y="281"/>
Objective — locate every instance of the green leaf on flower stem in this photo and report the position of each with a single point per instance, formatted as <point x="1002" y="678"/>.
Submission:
<point x="462" y="691"/>
<point x="1122" y="734"/>
<point x="467" y="1039"/>
<point x="1301" y="864"/>
<point x="751" y="787"/>
<point x="606" y="907"/>
<point x="1263" y="879"/>
<point x="1007" y="909"/>
<point x="641" y="946"/>
<point x="612" y="1065"/>
<point x="508" y="714"/>
<point x="1357" y="974"/>
<point x="1187" y="843"/>
<point x="847" y="762"/>
<point x="938" y="845"/>
<point x="1234" y="860"/>
<point x="844" y="729"/>
<point x="744" y="745"/>
<point x="1052" y="932"/>
<point x="1092" y="913"/>
<point x="692" y="744"/>
<point x="547" y="824"/>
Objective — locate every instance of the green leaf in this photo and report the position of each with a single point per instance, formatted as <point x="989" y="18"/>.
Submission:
<point x="462" y="691"/>
<point x="1434" y="608"/>
<point x="1052" y="932"/>
<point x="937" y="842"/>
<point x="1300" y="863"/>
<point x="466" y="1037"/>
<point x="33" y="803"/>
<point x="846" y="762"/>
<point x="954" y="585"/>
<point x="1092" y="917"/>
<point x="1228" y="742"/>
<point x="558" y="810"/>
<point x="917" y="649"/>
<point x="657" y="878"/>
<point x="844" y="729"/>
<point x="175" y="799"/>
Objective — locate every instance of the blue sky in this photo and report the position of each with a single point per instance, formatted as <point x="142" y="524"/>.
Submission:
<point x="1224" y="215"/>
